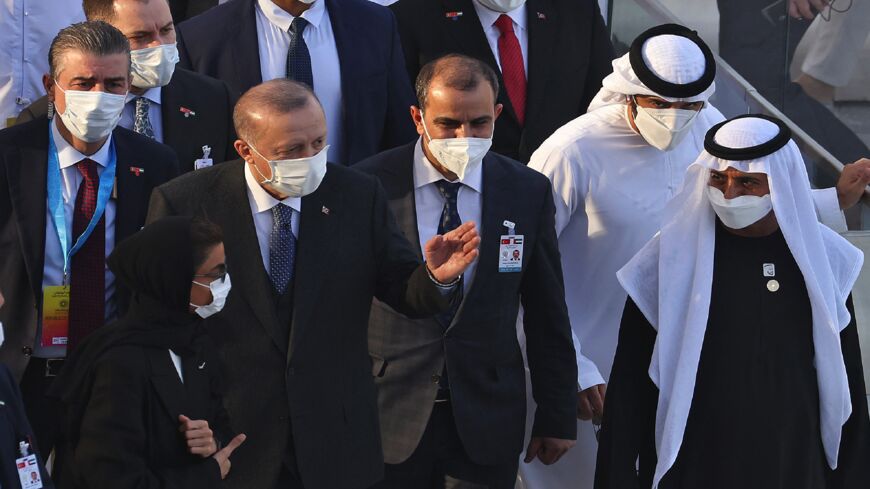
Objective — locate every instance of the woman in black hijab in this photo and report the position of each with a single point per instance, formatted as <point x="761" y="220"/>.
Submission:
<point x="141" y="400"/>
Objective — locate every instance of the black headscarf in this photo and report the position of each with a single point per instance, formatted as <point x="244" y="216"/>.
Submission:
<point x="156" y="265"/>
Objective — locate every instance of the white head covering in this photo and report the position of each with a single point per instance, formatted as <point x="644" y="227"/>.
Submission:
<point x="670" y="280"/>
<point x="673" y="54"/>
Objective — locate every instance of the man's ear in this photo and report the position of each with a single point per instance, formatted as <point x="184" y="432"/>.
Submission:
<point x="417" y="117"/>
<point x="498" y="109"/>
<point x="48" y="84"/>
<point x="243" y="149"/>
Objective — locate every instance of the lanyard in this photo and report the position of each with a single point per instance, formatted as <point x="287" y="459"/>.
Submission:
<point x="56" y="207"/>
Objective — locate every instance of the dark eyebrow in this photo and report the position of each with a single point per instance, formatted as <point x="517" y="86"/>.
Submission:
<point x="445" y="120"/>
<point x="116" y="79"/>
<point x="482" y="119"/>
<point x="168" y="24"/>
<point x="138" y="33"/>
<point x="82" y="79"/>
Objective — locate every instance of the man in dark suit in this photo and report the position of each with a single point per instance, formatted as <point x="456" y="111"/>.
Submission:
<point x="347" y="50"/>
<point x="177" y="107"/>
<point x="451" y="389"/>
<point x="56" y="180"/>
<point x="550" y="56"/>
<point x="308" y="245"/>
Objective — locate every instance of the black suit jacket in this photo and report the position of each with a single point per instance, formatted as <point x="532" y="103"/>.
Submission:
<point x="480" y="347"/>
<point x="128" y="434"/>
<point x="14" y="428"/>
<point x="23" y="164"/>
<point x="376" y="92"/>
<point x="305" y="386"/>
<point x="569" y="55"/>
<point x="212" y="124"/>
<point x="185" y="9"/>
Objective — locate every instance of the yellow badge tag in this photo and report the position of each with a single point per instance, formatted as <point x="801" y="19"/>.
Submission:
<point x="10" y="121"/>
<point x="55" y="315"/>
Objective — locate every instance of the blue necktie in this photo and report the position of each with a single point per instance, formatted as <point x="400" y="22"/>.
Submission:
<point x="282" y="248"/>
<point x="298" y="57"/>
<point x="449" y="221"/>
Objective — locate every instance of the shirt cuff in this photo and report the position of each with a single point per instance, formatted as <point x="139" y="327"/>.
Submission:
<point x="445" y="289"/>
<point x="828" y="209"/>
<point x="587" y="372"/>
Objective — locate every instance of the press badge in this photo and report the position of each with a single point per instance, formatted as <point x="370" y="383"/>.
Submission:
<point x="55" y="316"/>
<point x="510" y="253"/>
<point x="28" y="469"/>
<point x="205" y="161"/>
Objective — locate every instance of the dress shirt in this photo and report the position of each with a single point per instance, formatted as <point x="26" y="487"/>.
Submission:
<point x="71" y="179"/>
<point x="261" y="208"/>
<point x="487" y="21"/>
<point x="26" y="30"/>
<point x="429" y="203"/>
<point x="273" y="38"/>
<point x="176" y="362"/>
<point x="128" y="116"/>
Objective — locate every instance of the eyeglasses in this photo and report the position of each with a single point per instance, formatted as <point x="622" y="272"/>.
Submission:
<point x="215" y="277"/>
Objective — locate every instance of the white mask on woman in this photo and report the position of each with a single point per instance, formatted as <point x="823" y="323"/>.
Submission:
<point x="739" y="212"/>
<point x="295" y="178"/>
<point x="153" y="67"/>
<point x="664" y="128"/>
<point x="458" y="155"/>
<point x="91" y="116"/>
<point x="220" y="289"/>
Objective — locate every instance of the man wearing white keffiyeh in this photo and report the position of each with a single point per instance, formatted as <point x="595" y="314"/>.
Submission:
<point x="738" y="363"/>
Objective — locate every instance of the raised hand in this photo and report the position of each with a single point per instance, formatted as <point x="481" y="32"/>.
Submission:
<point x="448" y="255"/>
<point x="852" y="183"/>
<point x="222" y="457"/>
<point x="200" y="438"/>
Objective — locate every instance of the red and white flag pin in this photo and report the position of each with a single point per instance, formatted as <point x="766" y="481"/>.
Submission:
<point x="324" y="210"/>
<point x="453" y="15"/>
<point x="187" y="112"/>
<point x="135" y="170"/>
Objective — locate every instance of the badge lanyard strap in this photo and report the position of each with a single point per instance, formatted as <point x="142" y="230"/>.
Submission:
<point x="55" y="202"/>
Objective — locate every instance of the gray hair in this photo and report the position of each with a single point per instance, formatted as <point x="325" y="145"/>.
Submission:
<point x="92" y="37"/>
<point x="455" y="71"/>
<point x="278" y="96"/>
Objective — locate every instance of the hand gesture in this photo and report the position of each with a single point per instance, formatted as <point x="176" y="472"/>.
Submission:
<point x="590" y="403"/>
<point x="200" y="438"/>
<point x="449" y="255"/>
<point x="222" y="457"/>
<point x="548" y="450"/>
<point x="853" y="181"/>
<point x="806" y="9"/>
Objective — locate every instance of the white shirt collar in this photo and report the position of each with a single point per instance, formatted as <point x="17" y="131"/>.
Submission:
<point x="488" y="17"/>
<point x="152" y="94"/>
<point x="281" y="19"/>
<point x="68" y="156"/>
<point x="261" y="201"/>
<point x="425" y="173"/>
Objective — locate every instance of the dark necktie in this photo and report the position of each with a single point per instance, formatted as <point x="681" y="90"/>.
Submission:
<point x="449" y="221"/>
<point x="142" y="122"/>
<point x="87" y="307"/>
<point x="298" y="57"/>
<point x="282" y="248"/>
<point x="513" y="71"/>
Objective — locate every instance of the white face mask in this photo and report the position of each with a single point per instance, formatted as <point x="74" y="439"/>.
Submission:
<point x="502" y="6"/>
<point x="739" y="212"/>
<point x="91" y="116"/>
<point x="458" y="154"/>
<point x="664" y="128"/>
<point x="153" y="67"/>
<point x="295" y="178"/>
<point x="220" y="289"/>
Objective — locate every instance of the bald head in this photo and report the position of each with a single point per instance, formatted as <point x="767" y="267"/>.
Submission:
<point x="265" y="101"/>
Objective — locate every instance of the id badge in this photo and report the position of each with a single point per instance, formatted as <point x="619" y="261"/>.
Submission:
<point x="55" y="316"/>
<point x="28" y="472"/>
<point x="202" y="163"/>
<point x="510" y="256"/>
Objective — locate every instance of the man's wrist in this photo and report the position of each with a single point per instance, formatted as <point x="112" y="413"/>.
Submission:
<point x="439" y="283"/>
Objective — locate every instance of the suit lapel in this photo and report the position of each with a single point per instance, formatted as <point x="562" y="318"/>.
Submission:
<point x="132" y="187"/>
<point x="246" y="51"/>
<point x="540" y="17"/>
<point x="498" y="205"/>
<point x="319" y="235"/>
<point x="233" y="212"/>
<point x="27" y="170"/>
<point x="167" y="383"/>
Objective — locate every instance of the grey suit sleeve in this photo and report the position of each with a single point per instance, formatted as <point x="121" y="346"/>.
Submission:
<point x="402" y="281"/>
<point x="549" y="346"/>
